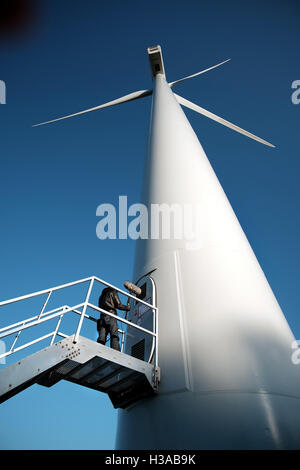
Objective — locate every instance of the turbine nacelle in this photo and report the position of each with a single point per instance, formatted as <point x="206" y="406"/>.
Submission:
<point x="156" y="61"/>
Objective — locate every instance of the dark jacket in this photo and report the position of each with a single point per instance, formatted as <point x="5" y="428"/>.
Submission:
<point x="109" y="300"/>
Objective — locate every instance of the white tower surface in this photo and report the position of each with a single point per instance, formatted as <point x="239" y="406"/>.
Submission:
<point x="227" y="379"/>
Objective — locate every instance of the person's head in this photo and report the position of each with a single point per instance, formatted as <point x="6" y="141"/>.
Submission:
<point x="106" y="290"/>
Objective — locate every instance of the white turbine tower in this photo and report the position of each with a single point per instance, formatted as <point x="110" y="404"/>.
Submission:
<point x="227" y="379"/>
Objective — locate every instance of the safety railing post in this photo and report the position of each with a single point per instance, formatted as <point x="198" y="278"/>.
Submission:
<point x="123" y="340"/>
<point x="57" y="327"/>
<point x="44" y="306"/>
<point x="15" y="340"/>
<point x="84" y="309"/>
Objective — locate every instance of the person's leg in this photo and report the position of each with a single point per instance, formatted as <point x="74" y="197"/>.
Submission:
<point x="114" y="335"/>
<point x="102" y="333"/>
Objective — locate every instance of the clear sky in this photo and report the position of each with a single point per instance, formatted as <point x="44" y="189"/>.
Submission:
<point x="73" y="55"/>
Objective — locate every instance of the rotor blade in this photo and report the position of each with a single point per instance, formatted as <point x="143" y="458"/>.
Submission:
<point x="203" y="111"/>
<point x="198" y="73"/>
<point x="132" y="96"/>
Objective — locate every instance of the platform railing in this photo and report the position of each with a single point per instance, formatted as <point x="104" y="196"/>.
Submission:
<point x="60" y="312"/>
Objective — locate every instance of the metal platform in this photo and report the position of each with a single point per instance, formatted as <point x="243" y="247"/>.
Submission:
<point x="124" y="378"/>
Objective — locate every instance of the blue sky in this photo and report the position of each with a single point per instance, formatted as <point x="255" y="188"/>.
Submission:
<point x="74" y="55"/>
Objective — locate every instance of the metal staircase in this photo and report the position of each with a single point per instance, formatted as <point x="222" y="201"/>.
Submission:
<point x="77" y="358"/>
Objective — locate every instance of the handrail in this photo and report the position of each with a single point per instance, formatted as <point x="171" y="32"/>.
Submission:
<point x="45" y="291"/>
<point x="74" y="283"/>
<point x="38" y="322"/>
<point x="138" y="327"/>
<point x="60" y="312"/>
<point x="27" y="344"/>
<point x="32" y="318"/>
<point x="125" y="293"/>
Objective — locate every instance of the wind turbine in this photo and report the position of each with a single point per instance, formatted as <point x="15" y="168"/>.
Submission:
<point x="227" y="379"/>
